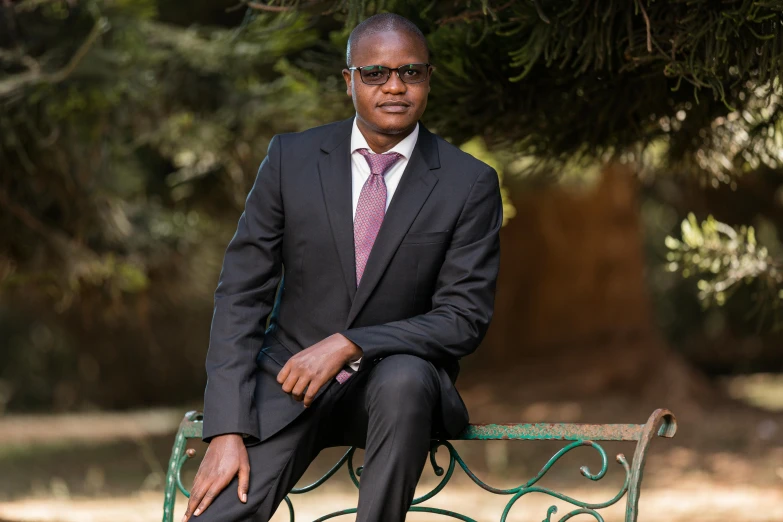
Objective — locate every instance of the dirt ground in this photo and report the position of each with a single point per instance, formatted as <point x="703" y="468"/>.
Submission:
<point x="723" y="465"/>
<point x="702" y="502"/>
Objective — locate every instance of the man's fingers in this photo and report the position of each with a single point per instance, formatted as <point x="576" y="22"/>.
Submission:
<point x="283" y="374"/>
<point x="244" y="481"/>
<point x="290" y="382"/>
<point x="196" y="494"/>
<point x="213" y="491"/>
<point x="312" y="390"/>
<point x="209" y="496"/>
<point x="299" y="390"/>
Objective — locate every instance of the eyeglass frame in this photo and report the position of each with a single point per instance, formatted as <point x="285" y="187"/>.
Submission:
<point x="354" y="68"/>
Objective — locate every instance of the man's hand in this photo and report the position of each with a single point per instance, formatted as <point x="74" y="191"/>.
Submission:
<point x="307" y="371"/>
<point x="225" y="457"/>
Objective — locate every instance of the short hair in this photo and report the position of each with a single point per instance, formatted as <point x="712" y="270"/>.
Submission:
<point x="382" y="23"/>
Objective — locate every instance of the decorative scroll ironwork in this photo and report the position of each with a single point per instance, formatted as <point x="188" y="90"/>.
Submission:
<point x="581" y="511"/>
<point x="661" y="423"/>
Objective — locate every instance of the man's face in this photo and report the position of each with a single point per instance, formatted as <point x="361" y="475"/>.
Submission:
<point x="395" y="106"/>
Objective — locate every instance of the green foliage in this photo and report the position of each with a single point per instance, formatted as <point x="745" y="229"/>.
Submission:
<point x="477" y="148"/>
<point x="116" y="124"/>
<point x="566" y="79"/>
<point x="128" y="149"/>
<point x="125" y="112"/>
<point x="723" y="258"/>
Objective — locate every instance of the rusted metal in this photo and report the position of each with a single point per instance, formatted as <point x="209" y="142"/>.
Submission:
<point x="552" y="431"/>
<point x="661" y="423"/>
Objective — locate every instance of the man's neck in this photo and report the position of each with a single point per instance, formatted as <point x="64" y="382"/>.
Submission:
<point x="380" y="143"/>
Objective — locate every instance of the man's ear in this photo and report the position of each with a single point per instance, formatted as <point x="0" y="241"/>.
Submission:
<point x="347" y="77"/>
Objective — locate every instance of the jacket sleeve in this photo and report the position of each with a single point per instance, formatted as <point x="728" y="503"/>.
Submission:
<point x="245" y="295"/>
<point x="463" y="301"/>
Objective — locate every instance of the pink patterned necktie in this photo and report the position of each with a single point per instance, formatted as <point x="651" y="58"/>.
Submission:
<point x="370" y="211"/>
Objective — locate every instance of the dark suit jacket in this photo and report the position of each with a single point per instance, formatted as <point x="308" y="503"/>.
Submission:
<point x="428" y="288"/>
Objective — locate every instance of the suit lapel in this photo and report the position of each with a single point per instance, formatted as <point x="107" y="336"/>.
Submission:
<point x="415" y="185"/>
<point x="335" y="172"/>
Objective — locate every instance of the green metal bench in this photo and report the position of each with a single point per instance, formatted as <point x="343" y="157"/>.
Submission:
<point x="661" y="423"/>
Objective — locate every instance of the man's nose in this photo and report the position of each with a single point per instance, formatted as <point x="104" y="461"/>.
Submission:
<point x="394" y="85"/>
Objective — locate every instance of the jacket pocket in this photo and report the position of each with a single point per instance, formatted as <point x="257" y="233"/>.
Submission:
<point x="273" y="358"/>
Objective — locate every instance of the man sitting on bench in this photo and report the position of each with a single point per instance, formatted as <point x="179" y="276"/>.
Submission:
<point x="389" y="239"/>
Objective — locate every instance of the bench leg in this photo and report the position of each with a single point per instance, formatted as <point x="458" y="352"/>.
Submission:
<point x="177" y="454"/>
<point x="663" y="424"/>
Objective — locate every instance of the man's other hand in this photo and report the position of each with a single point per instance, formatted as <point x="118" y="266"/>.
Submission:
<point x="225" y="458"/>
<point x="306" y="372"/>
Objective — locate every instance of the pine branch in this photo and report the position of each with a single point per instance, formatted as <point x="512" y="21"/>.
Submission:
<point x="35" y="75"/>
<point x="281" y="8"/>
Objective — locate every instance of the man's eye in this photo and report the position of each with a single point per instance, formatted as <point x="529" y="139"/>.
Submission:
<point x="412" y="73"/>
<point x="372" y="74"/>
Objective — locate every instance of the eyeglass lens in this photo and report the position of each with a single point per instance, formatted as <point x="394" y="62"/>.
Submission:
<point x="378" y="74"/>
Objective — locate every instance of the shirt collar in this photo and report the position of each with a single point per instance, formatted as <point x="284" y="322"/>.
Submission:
<point x="405" y="147"/>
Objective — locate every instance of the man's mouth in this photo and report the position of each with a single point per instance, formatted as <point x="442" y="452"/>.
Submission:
<point x="394" y="106"/>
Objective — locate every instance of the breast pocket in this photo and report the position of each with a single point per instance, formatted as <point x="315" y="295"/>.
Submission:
<point x="422" y="238"/>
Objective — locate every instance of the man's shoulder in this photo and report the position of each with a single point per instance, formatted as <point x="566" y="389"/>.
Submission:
<point x="457" y="160"/>
<point x="313" y="136"/>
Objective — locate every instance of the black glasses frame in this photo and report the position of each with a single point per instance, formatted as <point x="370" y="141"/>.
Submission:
<point x="389" y="71"/>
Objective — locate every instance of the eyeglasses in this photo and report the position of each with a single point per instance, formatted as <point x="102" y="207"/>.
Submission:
<point x="379" y="74"/>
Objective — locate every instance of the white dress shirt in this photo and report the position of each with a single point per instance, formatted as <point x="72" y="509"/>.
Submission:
<point x="360" y="170"/>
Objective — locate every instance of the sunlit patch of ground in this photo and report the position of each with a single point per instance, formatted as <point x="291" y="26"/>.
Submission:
<point x="688" y="502"/>
<point x="764" y="390"/>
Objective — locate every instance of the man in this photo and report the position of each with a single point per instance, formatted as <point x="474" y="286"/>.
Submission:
<point x="388" y="237"/>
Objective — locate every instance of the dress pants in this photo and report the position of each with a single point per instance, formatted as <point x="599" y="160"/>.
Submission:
<point x="387" y="410"/>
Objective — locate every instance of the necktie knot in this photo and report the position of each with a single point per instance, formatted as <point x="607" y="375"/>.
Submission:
<point x="379" y="163"/>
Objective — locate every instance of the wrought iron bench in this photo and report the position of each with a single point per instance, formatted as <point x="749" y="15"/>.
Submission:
<point x="661" y="423"/>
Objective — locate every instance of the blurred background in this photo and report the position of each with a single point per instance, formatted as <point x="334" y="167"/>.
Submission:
<point x="639" y="145"/>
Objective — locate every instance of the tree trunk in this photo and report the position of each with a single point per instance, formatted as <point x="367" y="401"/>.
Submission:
<point x="573" y="318"/>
